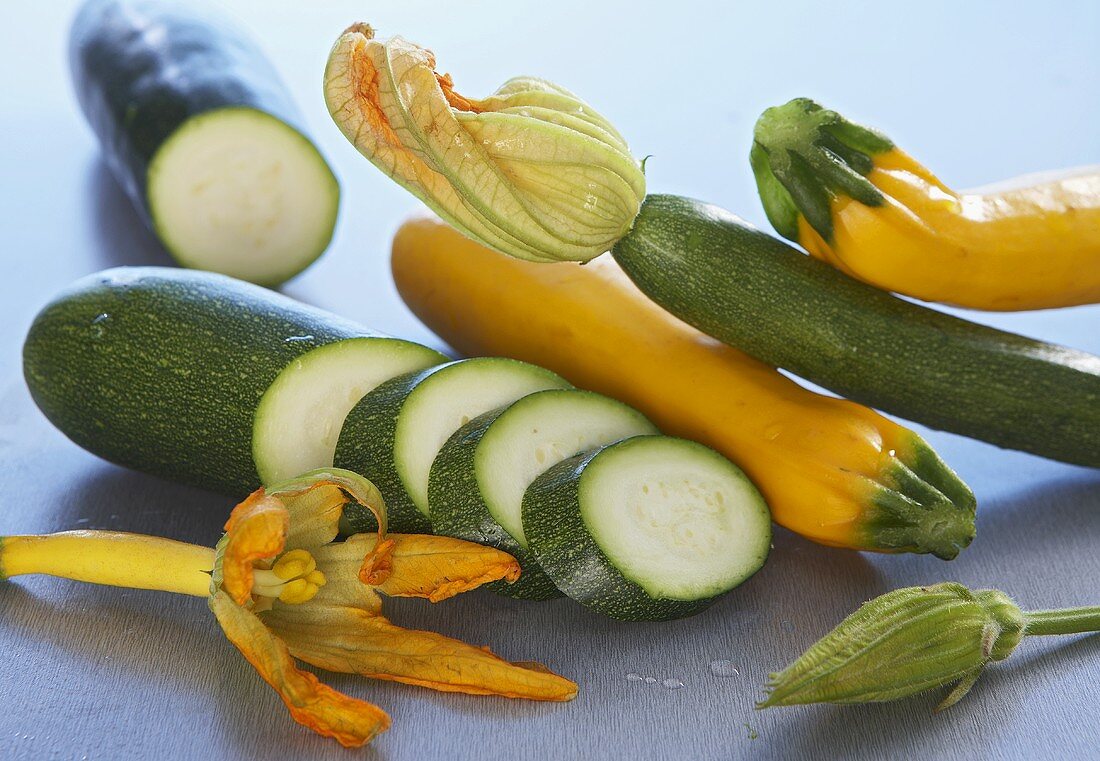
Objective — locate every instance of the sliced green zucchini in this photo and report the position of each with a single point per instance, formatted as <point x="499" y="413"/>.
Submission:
<point x="394" y="433"/>
<point x="198" y="129"/>
<point x="200" y="378"/>
<point x="477" y="482"/>
<point x="648" y="529"/>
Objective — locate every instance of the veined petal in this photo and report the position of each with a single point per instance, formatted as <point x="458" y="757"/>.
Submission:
<point x="532" y="170"/>
<point x="256" y="530"/>
<point x="350" y="721"/>
<point x="355" y="641"/>
<point x="316" y="500"/>
<point x="421" y="565"/>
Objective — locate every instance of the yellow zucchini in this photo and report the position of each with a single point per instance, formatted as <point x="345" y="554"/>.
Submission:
<point x="849" y="196"/>
<point x="831" y="470"/>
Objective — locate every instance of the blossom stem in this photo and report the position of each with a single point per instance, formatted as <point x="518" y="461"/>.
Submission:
<point x="112" y="558"/>
<point x="1064" y="621"/>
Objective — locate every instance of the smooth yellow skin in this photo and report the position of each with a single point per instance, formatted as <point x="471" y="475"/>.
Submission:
<point x="815" y="458"/>
<point x="113" y="558"/>
<point x="1032" y="247"/>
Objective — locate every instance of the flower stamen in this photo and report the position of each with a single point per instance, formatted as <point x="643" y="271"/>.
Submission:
<point x="293" y="579"/>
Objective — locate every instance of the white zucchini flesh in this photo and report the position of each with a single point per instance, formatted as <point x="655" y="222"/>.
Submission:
<point x="674" y="517"/>
<point x="240" y="192"/>
<point x="448" y="399"/>
<point x="538" y="432"/>
<point x="299" y="418"/>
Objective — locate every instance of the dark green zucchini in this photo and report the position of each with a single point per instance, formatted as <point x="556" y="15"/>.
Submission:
<point x="756" y="293"/>
<point x="203" y="379"/>
<point x="197" y="127"/>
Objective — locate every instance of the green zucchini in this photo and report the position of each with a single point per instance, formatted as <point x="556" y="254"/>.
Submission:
<point x="196" y="126"/>
<point x="394" y="433"/>
<point x="203" y="379"/>
<point x="477" y="481"/>
<point x="648" y="529"/>
<point x="756" y="293"/>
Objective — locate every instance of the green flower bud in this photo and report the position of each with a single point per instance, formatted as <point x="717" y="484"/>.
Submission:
<point x="903" y="643"/>
<point x="532" y="171"/>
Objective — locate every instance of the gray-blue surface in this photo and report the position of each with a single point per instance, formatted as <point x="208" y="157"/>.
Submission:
<point x="979" y="91"/>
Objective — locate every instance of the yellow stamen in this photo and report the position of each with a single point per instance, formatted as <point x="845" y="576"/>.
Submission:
<point x="294" y="564"/>
<point x="293" y="579"/>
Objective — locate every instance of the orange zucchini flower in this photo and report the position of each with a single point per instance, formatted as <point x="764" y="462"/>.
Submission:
<point x="282" y="588"/>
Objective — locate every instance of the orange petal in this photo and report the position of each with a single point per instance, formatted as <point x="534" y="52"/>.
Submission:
<point x="357" y="642"/>
<point x="438" y="567"/>
<point x="316" y="501"/>
<point x="256" y="530"/>
<point x="350" y="721"/>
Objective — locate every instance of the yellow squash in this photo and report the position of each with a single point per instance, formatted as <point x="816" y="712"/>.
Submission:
<point x="831" y="470"/>
<point x="850" y="197"/>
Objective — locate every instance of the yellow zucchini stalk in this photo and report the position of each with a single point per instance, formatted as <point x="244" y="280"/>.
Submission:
<point x="850" y="197"/>
<point x="831" y="470"/>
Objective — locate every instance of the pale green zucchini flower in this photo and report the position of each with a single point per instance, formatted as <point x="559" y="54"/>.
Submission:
<point x="532" y="171"/>
<point x="916" y="639"/>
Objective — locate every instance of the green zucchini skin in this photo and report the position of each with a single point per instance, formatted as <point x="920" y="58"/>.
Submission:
<point x="459" y="510"/>
<point x="559" y="540"/>
<point x="161" y="369"/>
<point x="756" y="293"/>
<point x="366" y="446"/>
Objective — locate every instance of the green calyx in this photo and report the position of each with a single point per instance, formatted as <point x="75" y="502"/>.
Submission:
<point x="904" y="643"/>
<point x="803" y="156"/>
<point x="921" y="506"/>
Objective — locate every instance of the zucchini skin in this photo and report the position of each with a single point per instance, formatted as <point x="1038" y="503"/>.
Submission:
<point x="366" y="446"/>
<point x="459" y="510"/>
<point x="161" y="369"/>
<point x="754" y="292"/>
<point x="558" y="538"/>
<point x="142" y="68"/>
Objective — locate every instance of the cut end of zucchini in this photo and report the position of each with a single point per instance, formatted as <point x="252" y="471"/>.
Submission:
<point x="538" y="432"/>
<point x="648" y="529"/>
<point x="450" y="398"/>
<point x="920" y="505"/>
<point x="240" y="192"/>
<point x="300" y="416"/>
<point x="673" y="520"/>
<point x="804" y="155"/>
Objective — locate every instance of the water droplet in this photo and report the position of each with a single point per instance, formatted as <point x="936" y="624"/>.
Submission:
<point x="632" y="677"/>
<point x="673" y="684"/>
<point x="723" y="668"/>
<point x="297" y="339"/>
<point x="99" y="325"/>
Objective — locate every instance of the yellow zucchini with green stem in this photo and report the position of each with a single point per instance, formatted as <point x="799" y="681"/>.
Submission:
<point x="852" y="198"/>
<point x="831" y="470"/>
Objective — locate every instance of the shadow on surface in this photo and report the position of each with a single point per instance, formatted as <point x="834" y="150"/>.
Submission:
<point x="121" y="237"/>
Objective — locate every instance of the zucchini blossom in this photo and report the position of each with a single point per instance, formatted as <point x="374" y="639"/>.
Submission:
<point x="916" y="639"/>
<point x="283" y="589"/>
<point x="532" y="170"/>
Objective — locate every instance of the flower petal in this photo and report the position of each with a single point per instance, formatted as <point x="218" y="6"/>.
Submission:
<point x="438" y="567"/>
<point x="357" y="642"/>
<point x="256" y="530"/>
<point x="350" y="721"/>
<point x="316" y="501"/>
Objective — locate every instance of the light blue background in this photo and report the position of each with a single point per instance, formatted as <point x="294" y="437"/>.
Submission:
<point x="978" y="91"/>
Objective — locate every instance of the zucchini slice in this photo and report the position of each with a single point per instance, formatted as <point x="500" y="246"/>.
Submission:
<point x="200" y="378"/>
<point x="648" y="529"/>
<point x="394" y="433"/>
<point x="197" y="127"/>
<point x="477" y="482"/>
